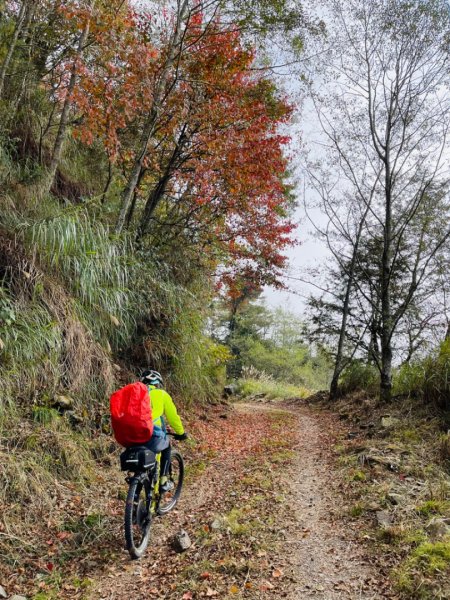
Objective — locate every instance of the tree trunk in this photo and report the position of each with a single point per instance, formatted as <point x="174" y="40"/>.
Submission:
<point x="339" y="364"/>
<point x="108" y="183"/>
<point x="386" y="315"/>
<point x="149" y="127"/>
<point x="386" y="374"/>
<point x="159" y="189"/>
<point x="17" y="31"/>
<point x="64" y="119"/>
<point x="133" y="202"/>
<point x="24" y="86"/>
<point x="373" y="351"/>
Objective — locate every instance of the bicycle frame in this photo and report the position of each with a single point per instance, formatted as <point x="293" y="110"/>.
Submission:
<point x="155" y="487"/>
<point x="154" y="479"/>
<point x="140" y="511"/>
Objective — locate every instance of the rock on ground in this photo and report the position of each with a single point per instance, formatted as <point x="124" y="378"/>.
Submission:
<point x="438" y="528"/>
<point x="181" y="541"/>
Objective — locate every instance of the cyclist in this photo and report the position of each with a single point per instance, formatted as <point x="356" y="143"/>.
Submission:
<point x="162" y="407"/>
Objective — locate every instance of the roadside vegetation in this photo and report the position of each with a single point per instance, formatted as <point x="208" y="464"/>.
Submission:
<point x="395" y="475"/>
<point x="380" y="302"/>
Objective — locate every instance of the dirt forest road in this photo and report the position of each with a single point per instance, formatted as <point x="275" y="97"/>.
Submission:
<point x="267" y="520"/>
<point x="328" y="561"/>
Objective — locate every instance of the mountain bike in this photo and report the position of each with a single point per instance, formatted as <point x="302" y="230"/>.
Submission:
<point x="144" y="500"/>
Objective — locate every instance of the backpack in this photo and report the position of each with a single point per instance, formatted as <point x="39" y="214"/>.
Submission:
<point x="131" y="415"/>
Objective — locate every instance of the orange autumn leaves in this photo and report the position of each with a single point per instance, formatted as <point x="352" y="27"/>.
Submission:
<point x="216" y="163"/>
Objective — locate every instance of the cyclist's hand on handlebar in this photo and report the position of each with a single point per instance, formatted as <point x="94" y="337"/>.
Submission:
<point x="180" y="436"/>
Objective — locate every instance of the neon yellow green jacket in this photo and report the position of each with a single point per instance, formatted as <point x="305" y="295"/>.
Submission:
<point x="163" y="405"/>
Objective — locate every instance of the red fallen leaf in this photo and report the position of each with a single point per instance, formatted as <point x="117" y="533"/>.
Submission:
<point x="50" y="566"/>
<point x="266" y="585"/>
<point x="187" y="596"/>
<point x="205" y="575"/>
<point x="63" y="535"/>
<point x="277" y="573"/>
<point x="49" y="542"/>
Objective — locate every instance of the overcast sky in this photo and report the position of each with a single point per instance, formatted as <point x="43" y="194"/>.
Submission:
<point x="309" y="252"/>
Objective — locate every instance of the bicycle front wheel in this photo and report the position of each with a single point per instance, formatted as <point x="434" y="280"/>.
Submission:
<point x="138" y="517"/>
<point x="169" y="500"/>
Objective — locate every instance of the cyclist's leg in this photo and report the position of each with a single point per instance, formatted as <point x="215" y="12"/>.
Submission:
<point x="165" y="460"/>
<point x="161" y="445"/>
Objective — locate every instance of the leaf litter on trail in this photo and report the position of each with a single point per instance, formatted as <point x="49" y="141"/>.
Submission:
<point x="238" y="487"/>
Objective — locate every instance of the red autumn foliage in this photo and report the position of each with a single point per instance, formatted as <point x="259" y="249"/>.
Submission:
<point x="216" y="166"/>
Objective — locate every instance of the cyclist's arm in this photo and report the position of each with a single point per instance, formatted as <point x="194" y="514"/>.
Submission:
<point x="171" y="413"/>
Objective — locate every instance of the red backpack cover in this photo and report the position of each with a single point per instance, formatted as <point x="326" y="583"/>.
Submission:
<point x="131" y="415"/>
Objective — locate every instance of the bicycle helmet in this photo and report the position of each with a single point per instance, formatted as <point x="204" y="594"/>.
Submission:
<point x="150" y="377"/>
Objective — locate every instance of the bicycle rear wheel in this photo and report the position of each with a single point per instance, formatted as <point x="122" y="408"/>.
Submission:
<point x="138" y="517"/>
<point x="169" y="500"/>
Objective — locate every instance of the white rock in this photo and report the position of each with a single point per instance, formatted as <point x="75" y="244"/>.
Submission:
<point x="384" y="519"/>
<point x="438" y="528"/>
<point x="181" y="541"/>
<point x="388" y="421"/>
<point x="3" y="593"/>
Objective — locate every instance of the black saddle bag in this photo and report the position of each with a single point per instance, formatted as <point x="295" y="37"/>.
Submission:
<point x="137" y="458"/>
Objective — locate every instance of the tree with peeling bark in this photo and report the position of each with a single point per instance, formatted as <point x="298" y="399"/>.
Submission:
<point x="384" y="108"/>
